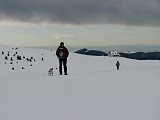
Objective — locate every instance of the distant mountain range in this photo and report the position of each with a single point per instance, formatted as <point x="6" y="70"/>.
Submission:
<point x="136" y="55"/>
<point x="91" y="52"/>
<point x="142" y="55"/>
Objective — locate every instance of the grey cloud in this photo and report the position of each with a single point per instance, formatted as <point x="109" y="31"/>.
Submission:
<point x="127" y="12"/>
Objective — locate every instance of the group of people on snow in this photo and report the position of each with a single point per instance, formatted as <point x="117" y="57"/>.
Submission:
<point x="62" y="54"/>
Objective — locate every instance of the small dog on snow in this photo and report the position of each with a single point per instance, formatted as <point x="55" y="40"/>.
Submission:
<point x="50" y="72"/>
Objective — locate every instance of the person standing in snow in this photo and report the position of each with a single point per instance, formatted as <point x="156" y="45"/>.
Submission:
<point x="117" y="64"/>
<point x="62" y="53"/>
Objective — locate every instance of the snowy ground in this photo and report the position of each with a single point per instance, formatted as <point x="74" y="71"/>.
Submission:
<point x="93" y="90"/>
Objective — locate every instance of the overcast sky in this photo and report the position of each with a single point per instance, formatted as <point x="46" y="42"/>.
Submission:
<point x="79" y="22"/>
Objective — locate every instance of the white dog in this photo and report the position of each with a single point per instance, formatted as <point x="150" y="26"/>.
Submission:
<point x="50" y="72"/>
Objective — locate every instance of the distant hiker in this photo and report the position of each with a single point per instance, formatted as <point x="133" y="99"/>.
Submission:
<point x="117" y="64"/>
<point x="62" y="53"/>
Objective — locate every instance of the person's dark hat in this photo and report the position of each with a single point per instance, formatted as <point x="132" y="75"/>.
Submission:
<point x="62" y="43"/>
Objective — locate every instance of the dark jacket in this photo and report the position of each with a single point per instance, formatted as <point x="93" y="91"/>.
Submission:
<point x="117" y="64"/>
<point x="66" y="53"/>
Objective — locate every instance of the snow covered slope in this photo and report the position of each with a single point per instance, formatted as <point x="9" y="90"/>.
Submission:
<point x="93" y="90"/>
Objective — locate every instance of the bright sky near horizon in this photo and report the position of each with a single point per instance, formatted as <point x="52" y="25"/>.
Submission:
<point x="81" y="22"/>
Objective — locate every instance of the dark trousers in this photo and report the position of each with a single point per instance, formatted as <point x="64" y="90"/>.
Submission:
<point x="117" y="67"/>
<point x="64" y="62"/>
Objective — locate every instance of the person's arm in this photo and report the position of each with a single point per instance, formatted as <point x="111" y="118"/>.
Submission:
<point x="67" y="52"/>
<point x="57" y="52"/>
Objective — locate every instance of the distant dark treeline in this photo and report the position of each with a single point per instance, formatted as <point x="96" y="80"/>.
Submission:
<point x="85" y="51"/>
<point x="142" y="55"/>
<point x="137" y="55"/>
